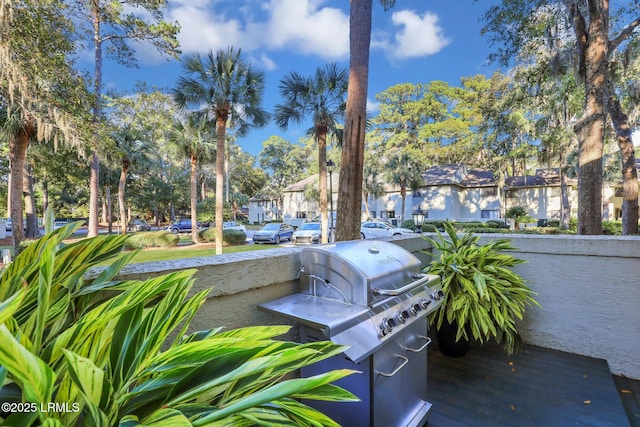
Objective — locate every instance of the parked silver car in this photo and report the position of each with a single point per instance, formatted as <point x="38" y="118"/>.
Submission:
<point x="273" y="233"/>
<point x="138" y="225"/>
<point x="307" y="233"/>
<point x="378" y="229"/>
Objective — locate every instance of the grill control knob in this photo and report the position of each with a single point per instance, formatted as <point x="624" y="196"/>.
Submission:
<point x="437" y="295"/>
<point x="414" y="309"/>
<point x="387" y="324"/>
<point x="424" y="303"/>
<point x="402" y="316"/>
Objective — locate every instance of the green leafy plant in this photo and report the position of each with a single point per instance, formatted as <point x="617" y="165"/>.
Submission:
<point x="519" y="214"/>
<point x="484" y="296"/>
<point x="118" y="353"/>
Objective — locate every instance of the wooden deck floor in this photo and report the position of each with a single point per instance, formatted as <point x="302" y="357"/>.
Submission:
<point x="535" y="387"/>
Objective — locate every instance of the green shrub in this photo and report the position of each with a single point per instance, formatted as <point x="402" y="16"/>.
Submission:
<point x="496" y="223"/>
<point x="409" y="223"/>
<point x="124" y="357"/>
<point x="554" y="223"/>
<point x="429" y="228"/>
<point x="487" y="230"/>
<point x="612" y="228"/>
<point x="229" y="236"/>
<point x="152" y="239"/>
<point x="466" y="225"/>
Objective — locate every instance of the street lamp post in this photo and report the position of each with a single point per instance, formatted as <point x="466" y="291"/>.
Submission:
<point x="330" y="167"/>
<point x="418" y="219"/>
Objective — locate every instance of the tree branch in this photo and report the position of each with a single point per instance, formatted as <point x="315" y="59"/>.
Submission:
<point x="624" y="34"/>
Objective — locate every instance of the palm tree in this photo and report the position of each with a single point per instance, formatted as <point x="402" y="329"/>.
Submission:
<point x="372" y="181"/>
<point x="323" y="98"/>
<point x="193" y="138"/>
<point x="133" y="150"/>
<point x="405" y="170"/>
<point x="223" y="88"/>
<point x="352" y="161"/>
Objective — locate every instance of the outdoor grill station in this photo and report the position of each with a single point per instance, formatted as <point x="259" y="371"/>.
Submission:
<point x="372" y="296"/>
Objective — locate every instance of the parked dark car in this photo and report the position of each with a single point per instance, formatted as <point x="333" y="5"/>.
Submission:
<point x="181" y="226"/>
<point x="138" y="225"/>
<point x="273" y="233"/>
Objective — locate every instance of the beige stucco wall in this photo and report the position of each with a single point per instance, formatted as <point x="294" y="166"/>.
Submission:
<point x="588" y="286"/>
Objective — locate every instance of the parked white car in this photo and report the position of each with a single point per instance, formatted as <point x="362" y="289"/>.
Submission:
<point x="232" y="225"/>
<point x="378" y="229"/>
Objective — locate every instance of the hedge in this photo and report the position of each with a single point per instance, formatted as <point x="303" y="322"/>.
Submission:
<point x="152" y="239"/>
<point x="230" y="236"/>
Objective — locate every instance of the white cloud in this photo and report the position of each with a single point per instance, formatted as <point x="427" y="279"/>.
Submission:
<point x="299" y="26"/>
<point x="305" y="27"/>
<point x="373" y="107"/>
<point x="419" y="35"/>
<point x="201" y="30"/>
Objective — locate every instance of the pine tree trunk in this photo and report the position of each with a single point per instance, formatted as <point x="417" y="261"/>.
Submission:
<point x="322" y="183"/>
<point x="350" y="182"/>
<point x="629" y="173"/>
<point x="29" y="204"/>
<point x="121" y="188"/>
<point x="94" y="180"/>
<point x="590" y="128"/>
<point x="194" y="199"/>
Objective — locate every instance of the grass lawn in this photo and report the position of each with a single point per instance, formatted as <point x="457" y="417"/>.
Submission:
<point x="185" y="249"/>
<point x="191" y="251"/>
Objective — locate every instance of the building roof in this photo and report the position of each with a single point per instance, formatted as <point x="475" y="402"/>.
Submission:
<point x="311" y="180"/>
<point x="458" y="174"/>
<point x="542" y="178"/>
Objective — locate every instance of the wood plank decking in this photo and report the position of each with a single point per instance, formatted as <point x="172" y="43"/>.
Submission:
<point x="535" y="387"/>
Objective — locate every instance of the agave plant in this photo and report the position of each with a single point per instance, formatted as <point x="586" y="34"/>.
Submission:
<point x="112" y="352"/>
<point x="484" y="296"/>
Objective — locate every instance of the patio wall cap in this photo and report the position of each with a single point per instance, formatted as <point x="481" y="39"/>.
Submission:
<point x="607" y="246"/>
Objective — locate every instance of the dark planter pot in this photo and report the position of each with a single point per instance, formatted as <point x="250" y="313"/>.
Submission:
<point x="447" y="340"/>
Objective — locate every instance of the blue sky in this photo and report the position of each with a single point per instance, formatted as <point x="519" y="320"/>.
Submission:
<point x="417" y="41"/>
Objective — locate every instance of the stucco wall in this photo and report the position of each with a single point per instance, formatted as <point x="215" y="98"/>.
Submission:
<point x="589" y="289"/>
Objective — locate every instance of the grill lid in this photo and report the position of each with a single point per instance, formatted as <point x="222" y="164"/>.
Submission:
<point x="358" y="272"/>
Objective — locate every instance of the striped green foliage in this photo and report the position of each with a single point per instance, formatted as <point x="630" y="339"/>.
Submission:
<point x="484" y="296"/>
<point x="120" y="350"/>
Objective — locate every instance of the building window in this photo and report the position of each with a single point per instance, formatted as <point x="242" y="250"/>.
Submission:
<point x="488" y="214"/>
<point x="489" y="192"/>
<point x="301" y="215"/>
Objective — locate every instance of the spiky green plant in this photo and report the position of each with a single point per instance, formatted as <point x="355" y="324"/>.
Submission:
<point x="484" y="296"/>
<point x="117" y="352"/>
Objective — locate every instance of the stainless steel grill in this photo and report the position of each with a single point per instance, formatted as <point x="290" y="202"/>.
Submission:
<point x="371" y="296"/>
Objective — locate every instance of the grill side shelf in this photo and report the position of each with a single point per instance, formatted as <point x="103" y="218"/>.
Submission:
<point x="329" y="316"/>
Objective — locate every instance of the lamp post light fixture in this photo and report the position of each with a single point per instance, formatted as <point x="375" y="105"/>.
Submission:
<point x="418" y="219"/>
<point x="330" y="167"/>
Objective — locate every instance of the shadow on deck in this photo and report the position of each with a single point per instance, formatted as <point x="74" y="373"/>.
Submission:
<point x="535" y="387"/>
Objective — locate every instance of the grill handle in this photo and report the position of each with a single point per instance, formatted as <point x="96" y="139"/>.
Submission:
<point x="395" y="371"/>
<point x="418" y="350"/>
<point x="423" y="278"/>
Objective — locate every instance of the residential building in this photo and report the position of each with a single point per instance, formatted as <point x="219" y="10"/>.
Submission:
<point x="263" y="209"/>
<point x="540" y="194"/>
